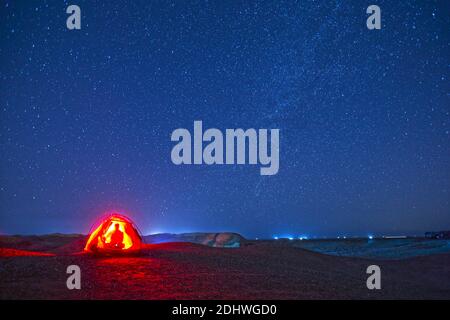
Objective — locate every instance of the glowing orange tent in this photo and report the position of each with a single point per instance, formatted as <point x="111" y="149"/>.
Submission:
<point x="116" y="234"/>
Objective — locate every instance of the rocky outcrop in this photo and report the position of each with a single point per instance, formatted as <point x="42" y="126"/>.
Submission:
<point x="220" y="240"/>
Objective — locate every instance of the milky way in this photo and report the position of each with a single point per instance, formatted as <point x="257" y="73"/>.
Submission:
<point x="86" y="115"/>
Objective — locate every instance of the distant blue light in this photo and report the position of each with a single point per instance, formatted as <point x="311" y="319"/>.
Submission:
<point x="370" y="237"/>
<point x="290" y="238"/>
<point x="276" y="238"/>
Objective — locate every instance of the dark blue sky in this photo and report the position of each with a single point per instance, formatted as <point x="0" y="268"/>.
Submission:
<point x="86" y="115"/>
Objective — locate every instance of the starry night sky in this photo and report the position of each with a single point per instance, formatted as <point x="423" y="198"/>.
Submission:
<point x="364" y="116"/>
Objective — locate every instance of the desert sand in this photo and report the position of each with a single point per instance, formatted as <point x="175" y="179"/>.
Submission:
<point x="35" y="268"/>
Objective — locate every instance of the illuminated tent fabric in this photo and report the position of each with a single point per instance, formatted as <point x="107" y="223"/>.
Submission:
<point x="104" y="237"/>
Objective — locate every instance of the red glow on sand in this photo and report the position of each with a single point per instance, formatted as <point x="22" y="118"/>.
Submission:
<point x="9" y="252"/>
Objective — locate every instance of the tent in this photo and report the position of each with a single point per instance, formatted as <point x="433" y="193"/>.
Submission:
<point x="116" y="234"/>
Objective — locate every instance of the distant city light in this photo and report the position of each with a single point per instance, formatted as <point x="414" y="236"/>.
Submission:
<point x="285" y="237"/>
<point x="370" y="237"/>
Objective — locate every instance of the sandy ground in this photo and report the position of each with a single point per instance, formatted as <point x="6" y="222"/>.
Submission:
<point x="258" y="270"/>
